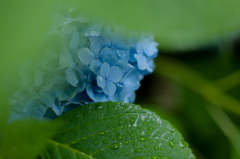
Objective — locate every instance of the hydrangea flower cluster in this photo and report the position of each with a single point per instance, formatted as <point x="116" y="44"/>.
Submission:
<point x="93" y="63"/>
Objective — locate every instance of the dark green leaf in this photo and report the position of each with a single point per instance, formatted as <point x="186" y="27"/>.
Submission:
<point x="116" y="130"/>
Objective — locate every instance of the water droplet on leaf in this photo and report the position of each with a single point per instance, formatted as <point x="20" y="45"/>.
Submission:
<point x="96" y="142"/>
<point x="105" y="141"/>
<point x="141" y="138"/>
<point x="138" y="150"/>
<point x="170" y="143"/>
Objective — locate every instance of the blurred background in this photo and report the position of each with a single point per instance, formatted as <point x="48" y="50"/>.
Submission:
<point x="210" y="131"/>
<point x="196" y="83"/>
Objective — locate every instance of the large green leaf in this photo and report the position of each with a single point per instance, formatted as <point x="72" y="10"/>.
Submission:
<point x="177" y="24"/>
<point x="116" y="130"/>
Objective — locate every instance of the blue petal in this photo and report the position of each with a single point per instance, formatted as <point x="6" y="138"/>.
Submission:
<point x="85" y="55"/>
<point x="39" y="76"/>
<point x="96" y="97"/>
<point x="95" y="65"/>
<point x="131" y="56"/>
<point x="95" y="46"/>
<point x="119" y="41"/>
<point x="115" y="74"/>
<point x="129" y="97"/>
<point x="83" y="68"/>
<point x="81" y="86"/>
<point x="104" y="40"/>
<point x="101" y="82"/>
<point x="30" y="105"/>
<point x="81" y="76"/>
<point x="108" y="55"/>
<point x="83" y="41"/>
<point x="50" y="114"/>
<point x="123" y="55"/>
<point x="141" y="61"/>
<point x="72" y="77"/>
<point x="74" y="41"/>
<point x="110" y="88"/>
<point x="132" y="81"/>
<point x="47" y="100"/>
<point x="147" y="46"/>
<point x="91" y="77"/>
<point x="93" y="30"/>
<point x="68" y="93"/>
<point x="105" y="69"/>
<point x="66" y="60"/>
<point x="117" y="96"/>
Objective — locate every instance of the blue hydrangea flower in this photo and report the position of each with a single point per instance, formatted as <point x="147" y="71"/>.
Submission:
<point x="91" y="63"/>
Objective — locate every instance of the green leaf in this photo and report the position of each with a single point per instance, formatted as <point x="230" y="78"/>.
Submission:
<point x="25" y="139"/>
<point x="176" y="24"/>
<point x="107" y="130"/>
<point x="4" y="110"/>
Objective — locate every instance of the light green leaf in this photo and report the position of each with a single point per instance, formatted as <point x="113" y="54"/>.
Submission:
<point x="25" y="139"/>
<point x="116" y="130"/>
<point x="177" y="24"/>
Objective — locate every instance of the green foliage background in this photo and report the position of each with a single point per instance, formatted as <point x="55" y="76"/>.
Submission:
<point x="196" y="81"/>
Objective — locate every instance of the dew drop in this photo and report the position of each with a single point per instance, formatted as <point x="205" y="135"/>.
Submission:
<point x="126" y="142"/>
<point x="115" y="147"/>
<point x="96" y="142"/>
<point x="119" y="137"/>
<point x="108" y="125"/>
<point x="138" y="150"/>
<point x="74" y="142"/>
<point x="132" y="134"/>
<point x="132" y="120"/>
<point x="183" y="143"/>
<point x="154" y="157"/>
<point x="111" y="137"/>
<point x="170" y="143"/>
<point x="141" y="138"/>
<point x="159" y="154"/>
<point x="150" y="128"/>
<point x="120" y="122"/>
<point x="101" y="133"/>
<point x="156" y="147"/>
<point x="105" y="141"/>
<point x="171" y="130"/>
<point x="150" y="141"/>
